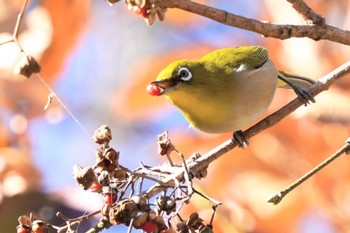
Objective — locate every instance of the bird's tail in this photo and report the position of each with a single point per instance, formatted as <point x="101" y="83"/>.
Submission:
<point x="285" y="80"/>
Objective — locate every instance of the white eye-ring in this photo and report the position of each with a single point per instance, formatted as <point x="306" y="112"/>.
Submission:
<point x="184" y="74"/>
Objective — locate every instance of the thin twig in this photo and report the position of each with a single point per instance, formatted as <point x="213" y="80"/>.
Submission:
<point x="122" y="192"/>
<point x="277" y="197"/>
<point x="187" y="177"/>
<point x="267" y="29"/>
<point x="215" y="202"/>
<point x="140" y="185"/>
<point x="70" y="222"/>
<point x="214" y="207"/>
<point x="64" y="106"/>
<point x="158" y="171"/>
<point x="130" y="225"/>
<point x="66" y="228"/>
<point x="86" y="216"/>
<point x="15" y="33"/>
<point x="19" y="20"/>
<point x="7" y="41"/>
<point x="138" y="175"/>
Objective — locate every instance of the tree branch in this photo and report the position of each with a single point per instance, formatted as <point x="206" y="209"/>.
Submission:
<point x="317" y="31"/>
<point x="307" y="12"/>
<point x="321" y="85"/>
<point x="277" y="197"/>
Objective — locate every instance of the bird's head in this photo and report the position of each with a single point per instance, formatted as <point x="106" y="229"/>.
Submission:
<point x="178" y="75"/>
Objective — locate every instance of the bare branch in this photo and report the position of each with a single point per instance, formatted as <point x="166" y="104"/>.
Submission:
<point x="19" y="20"/>
<point x="14" y="37"/>
<point x="277" y="197"/>
<point x="307" y="12"/>
<point x="280" y="31"/>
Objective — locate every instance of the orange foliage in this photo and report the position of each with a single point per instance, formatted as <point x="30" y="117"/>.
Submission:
<point x="68" y="20"/>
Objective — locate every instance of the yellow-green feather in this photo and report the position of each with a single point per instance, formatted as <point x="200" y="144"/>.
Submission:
<point x="232" y="58"/>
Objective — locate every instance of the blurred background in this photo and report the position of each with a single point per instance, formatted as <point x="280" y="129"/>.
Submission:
<point x="99" y="59"/>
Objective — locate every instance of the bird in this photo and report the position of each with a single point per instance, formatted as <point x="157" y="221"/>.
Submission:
<point x="227" y="89"/>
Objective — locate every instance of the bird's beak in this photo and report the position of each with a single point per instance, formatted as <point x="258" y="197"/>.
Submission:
<point x="166" y="85"/>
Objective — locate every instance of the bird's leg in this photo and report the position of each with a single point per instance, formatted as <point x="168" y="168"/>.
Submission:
<point x="303" y="94"/>
<point x="240" y="139"/>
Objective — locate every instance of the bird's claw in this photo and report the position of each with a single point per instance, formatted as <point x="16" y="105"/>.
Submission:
<point x="304" y="95"/>
<point x="240" y="139"/>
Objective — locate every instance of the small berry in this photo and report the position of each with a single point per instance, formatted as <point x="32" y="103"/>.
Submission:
<point x="22" y="229"/>
<point x="149" y="227"/>
<point x="144" y="12"/>
<point x="39" y="226"/>
<point x="153" y="89"/>
<point x="110" y="198"/>
<point x="39" y="229"/>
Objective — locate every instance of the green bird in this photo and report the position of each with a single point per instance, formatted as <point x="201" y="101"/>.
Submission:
<point x="227" y="89"/>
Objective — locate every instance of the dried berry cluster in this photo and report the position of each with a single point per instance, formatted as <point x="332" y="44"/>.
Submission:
<point x="193" y="224"/>
<point x="134" y="211"/>
<point x="111" y="179"/>
<point x="31" y="225"/>
<point x="148" y="9"/>
<point x="106" y="176"/>
<point x="141" y="209"/>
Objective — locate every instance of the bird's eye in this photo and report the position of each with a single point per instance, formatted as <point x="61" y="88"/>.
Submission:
<point x="184" y="74"/>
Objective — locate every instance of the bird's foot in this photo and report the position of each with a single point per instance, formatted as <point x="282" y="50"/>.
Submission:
<point x="240" y="139"/>
<point x="304" y="95"/>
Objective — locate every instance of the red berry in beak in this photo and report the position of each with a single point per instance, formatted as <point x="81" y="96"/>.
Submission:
<point x="153" y="89"/>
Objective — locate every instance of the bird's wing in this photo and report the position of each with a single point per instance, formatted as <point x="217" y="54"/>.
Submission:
<point x="255" y="56"/>
<point x="239" y="59"/>
<point x="249" y="58"/>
